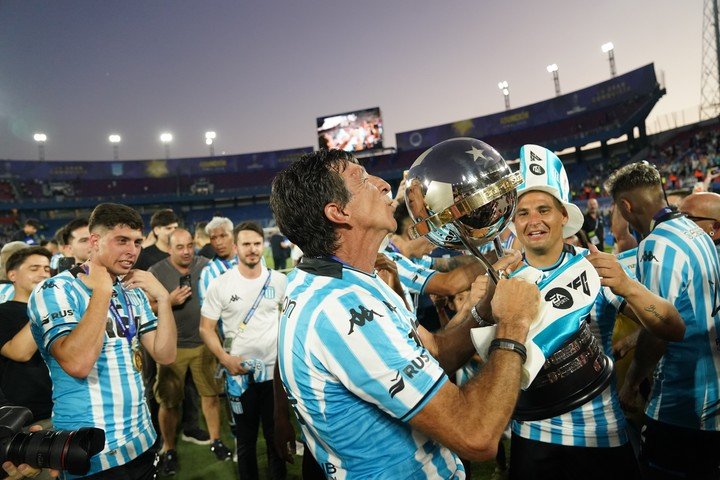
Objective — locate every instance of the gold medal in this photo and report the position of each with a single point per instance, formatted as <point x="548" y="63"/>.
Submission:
<point x="137" y="356"/>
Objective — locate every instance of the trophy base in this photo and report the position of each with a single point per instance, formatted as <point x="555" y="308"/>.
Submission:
<point x="576" y="374"/>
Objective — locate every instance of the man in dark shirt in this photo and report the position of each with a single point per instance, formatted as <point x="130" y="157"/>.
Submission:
<point x="24" y="377"/>
<point x="594" y="226"/>
<point x="179" y="274"/>
<point x="163" y="222"/>
<point x="280" y="250"/>
<point x="28" y="234"/>
<point x="203" y="246"/>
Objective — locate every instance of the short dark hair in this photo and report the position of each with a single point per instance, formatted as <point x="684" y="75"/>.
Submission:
<point x="299" y="195"/>
<point x="632" y="176"/>
<point x="252" y="226"/>
<point x="163" y="218"/>
<point x="33" y="222"/>
<point x="59" y="234"/>
<point x="19" y="257"/>
<point x="71" y="226"/>
<point x="110" y="215"/>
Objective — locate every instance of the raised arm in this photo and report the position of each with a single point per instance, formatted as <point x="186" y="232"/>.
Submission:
<point x="161" y="343"/>
<point x="21" y="347"/>
<point x="470" y="420"/>
<point x="656" y="314"/>
<point x="78" y="351"/>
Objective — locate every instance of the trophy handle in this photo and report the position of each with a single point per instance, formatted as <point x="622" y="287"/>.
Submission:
<point x="492" y="273"/>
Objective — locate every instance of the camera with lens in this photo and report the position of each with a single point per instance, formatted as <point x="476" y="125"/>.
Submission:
<point x="68" y="450"/>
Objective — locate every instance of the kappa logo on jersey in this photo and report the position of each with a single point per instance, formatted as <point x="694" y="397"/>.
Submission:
<point x="55" y="315"/>
<point x="234" y="298"/>
<point x="49" y="284"/>
<point x="536" y="169"/>
<point x="360" y="316"/>
<point x="648" y="256"/>
<point x="560" y="298"/>
<point x="581" y="281"/>
<point x="414" y="367"/>
<point x="398" y="384"/>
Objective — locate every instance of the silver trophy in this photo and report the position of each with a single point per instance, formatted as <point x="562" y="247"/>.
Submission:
<point x="461" y="194"/>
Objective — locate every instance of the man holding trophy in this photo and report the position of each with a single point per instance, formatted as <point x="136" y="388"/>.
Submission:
<point x="367" y="384"/>
<point x="591" y="438"/>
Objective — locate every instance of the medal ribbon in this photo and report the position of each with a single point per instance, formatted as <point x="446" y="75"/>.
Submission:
<point x="128" y="330"/>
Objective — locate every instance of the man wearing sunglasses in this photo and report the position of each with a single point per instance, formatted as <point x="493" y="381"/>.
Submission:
<point x="703" y="208"/>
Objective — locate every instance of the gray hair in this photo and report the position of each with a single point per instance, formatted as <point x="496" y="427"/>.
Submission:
<point x="219" y="222"/>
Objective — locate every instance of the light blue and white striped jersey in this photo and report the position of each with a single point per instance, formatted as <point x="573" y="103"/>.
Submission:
<point x="356" y="373"/>
<point x="216" y="267"/>
<point x="55" y="261"/>
<point x="599" y="422"/>
<point x="7" y="291"/>
<point x="678" y="261"/>
<point x="413" y="276"/>
<point x="424" y="261"/>
<point x="112" y="396"/>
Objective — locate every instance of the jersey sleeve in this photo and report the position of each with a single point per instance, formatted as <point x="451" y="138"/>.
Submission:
<point x="203" y="284"/>
<point x="212" y="306"/>
<point x="53" y="310"/>
<point x="377" y="355"/>
<point x="147" y="321"/>
<point x="413" y="277"/>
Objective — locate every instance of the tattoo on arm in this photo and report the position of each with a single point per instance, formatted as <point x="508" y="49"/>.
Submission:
<point x="652" y="309"/>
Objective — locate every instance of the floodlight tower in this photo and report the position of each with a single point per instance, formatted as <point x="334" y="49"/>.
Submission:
<point x="40" y="138"/>
<point x="166" y="138"/>
<point x="710" y="68"/>
<point x="505" y="89"/>
<point x="209" y="141"/>
<point x="609" y="48"/>
<point x="114" y="139"/>
<point x="556" y="77"/>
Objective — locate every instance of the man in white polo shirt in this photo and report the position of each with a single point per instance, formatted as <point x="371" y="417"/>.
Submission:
<point x="247" y="300"/>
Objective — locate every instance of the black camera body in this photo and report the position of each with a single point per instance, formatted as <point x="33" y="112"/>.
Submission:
<point x="65" y="263"/>
<point x="68" y="450"/>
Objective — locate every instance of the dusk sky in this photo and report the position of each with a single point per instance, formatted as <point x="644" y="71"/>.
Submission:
<point x="260" y="72"/>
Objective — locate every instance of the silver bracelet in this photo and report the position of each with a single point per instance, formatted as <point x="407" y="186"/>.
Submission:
<point x="478" y="318"/>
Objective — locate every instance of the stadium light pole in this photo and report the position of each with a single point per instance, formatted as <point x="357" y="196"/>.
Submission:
<point x="166" y="138"/>
<point x="115" y="140"/>
<point x="505" y="89"/>
<point x="40" y="138"/>
<point x="209" y="141"/>
<point x="609" y="48"/>
<point x="556" y="77"/>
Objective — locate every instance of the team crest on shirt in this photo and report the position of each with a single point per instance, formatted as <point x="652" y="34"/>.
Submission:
<point x="270" y="293"/>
